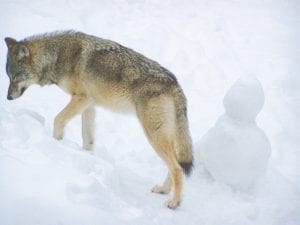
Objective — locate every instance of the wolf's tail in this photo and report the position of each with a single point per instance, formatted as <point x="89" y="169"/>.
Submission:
<point x="183" y="141"/>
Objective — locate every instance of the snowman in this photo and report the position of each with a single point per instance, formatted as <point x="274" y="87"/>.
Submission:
<point x="235" y="151"/>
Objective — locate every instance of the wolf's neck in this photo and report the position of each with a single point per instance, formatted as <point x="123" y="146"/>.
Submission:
<point x="45" y="66"/>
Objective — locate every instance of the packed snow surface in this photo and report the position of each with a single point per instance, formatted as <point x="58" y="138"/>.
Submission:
<point x="208" y="45"/>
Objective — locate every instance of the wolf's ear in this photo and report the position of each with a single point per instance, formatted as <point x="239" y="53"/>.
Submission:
<point x="10" y="42"/>
<point x="23" y="52"/>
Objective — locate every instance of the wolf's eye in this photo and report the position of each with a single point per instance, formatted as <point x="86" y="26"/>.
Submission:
<point x="19" y="77"/>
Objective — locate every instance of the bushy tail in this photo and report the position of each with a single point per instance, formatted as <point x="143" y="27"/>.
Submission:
<point x="183" y="142"/>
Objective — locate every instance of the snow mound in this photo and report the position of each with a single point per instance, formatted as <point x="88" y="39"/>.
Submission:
<point x="235" y="154"/>
<point x="235" y="150"/>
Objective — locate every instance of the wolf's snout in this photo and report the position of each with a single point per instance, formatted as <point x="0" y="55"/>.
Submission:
<point x="9" y="97"/>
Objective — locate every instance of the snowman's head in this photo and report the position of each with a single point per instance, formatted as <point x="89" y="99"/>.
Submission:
<point x="244" y="100"/>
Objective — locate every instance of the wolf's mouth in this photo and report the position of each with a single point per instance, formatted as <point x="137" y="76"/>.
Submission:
<point x="22" y="90"/>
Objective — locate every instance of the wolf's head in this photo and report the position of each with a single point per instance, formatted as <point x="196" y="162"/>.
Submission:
<point x="18" y="68"/>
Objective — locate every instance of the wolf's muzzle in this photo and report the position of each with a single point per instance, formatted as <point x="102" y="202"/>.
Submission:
<point x="9" y="97"/>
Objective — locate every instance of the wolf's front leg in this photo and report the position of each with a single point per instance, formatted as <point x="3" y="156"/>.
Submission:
<point x="88" y="127"/>
<point x="77" y="104"/>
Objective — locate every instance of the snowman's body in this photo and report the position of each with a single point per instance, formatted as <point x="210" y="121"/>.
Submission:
<point x="236" y="151"/>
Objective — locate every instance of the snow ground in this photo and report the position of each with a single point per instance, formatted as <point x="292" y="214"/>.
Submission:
<point x="208" y="45"/>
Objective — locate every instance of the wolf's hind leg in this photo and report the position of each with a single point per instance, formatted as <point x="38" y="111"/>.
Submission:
<point x="77" y="104"/>
<point x="163" y="147"/>
<point x="157" y="116"/>
<point x="165" y="188"/>
<point x="88" y="127"/>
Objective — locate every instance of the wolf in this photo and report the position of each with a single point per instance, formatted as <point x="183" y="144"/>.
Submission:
<point x="101" y="72"/>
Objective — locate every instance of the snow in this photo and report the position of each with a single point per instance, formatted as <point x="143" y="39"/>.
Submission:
<point x="235" y="150"/>
<point x="208" y="45"/>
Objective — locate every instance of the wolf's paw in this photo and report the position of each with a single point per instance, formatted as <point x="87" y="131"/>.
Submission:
<point x="172" y="203"/>
<point x="88" y="146"/>
<point x="58" y="135"/>
<point x="160" y="189"/>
